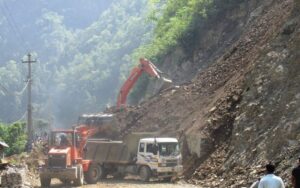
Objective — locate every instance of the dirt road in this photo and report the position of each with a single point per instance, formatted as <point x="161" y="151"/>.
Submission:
<point x="112" y="183"/>
<point x="137" y="184"/>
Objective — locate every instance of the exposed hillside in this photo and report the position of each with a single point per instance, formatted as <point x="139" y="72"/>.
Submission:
<point x="241" y="108"/>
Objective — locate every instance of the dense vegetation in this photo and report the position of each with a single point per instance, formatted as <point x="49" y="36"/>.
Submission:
<point x="173" y="20"/>
<point x="14" y="135"/>
<point x="80" y="69"/>
<point x="177" y="23"/>
<point x="86" y="50"/>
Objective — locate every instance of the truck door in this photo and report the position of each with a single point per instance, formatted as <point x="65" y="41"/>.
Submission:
<point x="141" y="157"/>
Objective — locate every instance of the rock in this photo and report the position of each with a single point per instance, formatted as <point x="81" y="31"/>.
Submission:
<point x="14" y="177"/>
<point x="289" y="27"/>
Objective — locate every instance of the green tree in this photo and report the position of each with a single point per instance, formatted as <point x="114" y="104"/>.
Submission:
<point x="15" y="136"/>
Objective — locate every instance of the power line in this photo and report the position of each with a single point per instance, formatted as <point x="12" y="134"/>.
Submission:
<point x="22" y="117"/>
<point x="22" y="91"/>
<point x="18" y="31"/>
<point x="8" y="92"/>
<point x="11" y="22"/>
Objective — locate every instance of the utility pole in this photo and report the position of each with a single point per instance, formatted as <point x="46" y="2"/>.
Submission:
<point x="29" y="106"/>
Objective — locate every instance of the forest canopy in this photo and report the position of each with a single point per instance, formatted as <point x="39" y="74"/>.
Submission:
<point x="83" y="60"/>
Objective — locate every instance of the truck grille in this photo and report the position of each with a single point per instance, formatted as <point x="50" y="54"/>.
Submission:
<point x="171" y="163"/>
<point x="57" y="161"/>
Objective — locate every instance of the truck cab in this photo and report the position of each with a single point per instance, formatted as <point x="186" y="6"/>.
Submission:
<point x="159" y="157"/>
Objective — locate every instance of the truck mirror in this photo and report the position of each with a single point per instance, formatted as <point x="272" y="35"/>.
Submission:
<point x="155" y="149"/>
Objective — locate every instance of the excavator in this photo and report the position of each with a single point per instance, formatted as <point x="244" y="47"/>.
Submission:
<point x="144" y="66"/>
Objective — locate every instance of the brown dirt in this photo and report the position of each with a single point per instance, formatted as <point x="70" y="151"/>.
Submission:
<point x="229" y="118"/>
<point x="211" y="104"/>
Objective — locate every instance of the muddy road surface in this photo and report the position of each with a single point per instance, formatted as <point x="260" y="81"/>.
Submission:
<point x="127" y="183"/>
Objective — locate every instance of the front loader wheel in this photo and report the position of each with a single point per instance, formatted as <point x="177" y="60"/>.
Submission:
<point x="79" y="180"/>
<point x="93" y="174"/>
<point x="45" y="181"/>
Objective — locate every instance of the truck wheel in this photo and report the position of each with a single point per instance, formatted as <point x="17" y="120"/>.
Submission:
<point x="45" y="181"/>
<point x="65" y="181"/>
<point x="79" y="180"/>
<point x="145" y="173"/>
<point x="119" y="175"/>
<point x="93" y="174"/>
<point x="103" y="172"/>
<point x="168" y="179"/>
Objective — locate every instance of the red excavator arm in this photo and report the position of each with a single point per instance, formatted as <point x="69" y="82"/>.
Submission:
<point x="144" y="66"/>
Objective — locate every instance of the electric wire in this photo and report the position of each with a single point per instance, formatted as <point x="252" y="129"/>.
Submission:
<point x="22" y="118"/>
<point x="8" y="92"/>
<point x="18" y="31"/>
<point x="22" y="91"/>
<point x="13" y="26"/>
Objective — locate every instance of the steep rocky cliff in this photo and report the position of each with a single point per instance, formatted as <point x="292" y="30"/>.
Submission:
<point x="241" y="108"/>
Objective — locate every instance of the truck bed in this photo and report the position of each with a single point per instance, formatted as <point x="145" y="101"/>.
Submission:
<point x="122" y="152"/>
<point x="105" y="151"/>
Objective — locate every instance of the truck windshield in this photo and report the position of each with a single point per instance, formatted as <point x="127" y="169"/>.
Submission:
<point x="167" y="149"/>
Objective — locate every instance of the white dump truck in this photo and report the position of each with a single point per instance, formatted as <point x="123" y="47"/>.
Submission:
<point x="148" y="157"/>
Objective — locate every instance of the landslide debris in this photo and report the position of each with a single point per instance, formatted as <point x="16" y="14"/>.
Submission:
<point x="22" y="169"/>
<point x="16" y="177"/>
<point x="239" y="112"/>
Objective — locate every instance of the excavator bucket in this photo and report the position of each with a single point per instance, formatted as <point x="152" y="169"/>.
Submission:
<point x="104" y="121"/>
<point x="95" y="119"/>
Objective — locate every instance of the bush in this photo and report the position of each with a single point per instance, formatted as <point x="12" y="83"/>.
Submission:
<point x="15" y="136"/>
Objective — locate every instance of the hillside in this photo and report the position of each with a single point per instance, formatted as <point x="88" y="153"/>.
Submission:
<point x="234" y="103"/>
<point x="83" y="53"/>
<point x="241" y="108"/>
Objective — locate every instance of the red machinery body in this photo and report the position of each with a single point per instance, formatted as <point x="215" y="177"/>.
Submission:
<point x="144" y="66"/>
<point x="67" y="149"/>
<point x="74" y="151"/>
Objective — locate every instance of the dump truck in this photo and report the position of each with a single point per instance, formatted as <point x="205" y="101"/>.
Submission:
<point x="138" y="154"/>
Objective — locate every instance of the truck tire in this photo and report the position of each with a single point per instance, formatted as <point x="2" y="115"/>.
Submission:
<point x="168" y="179"/>
<point x="45" y="181"/>
<point x="119" y="175"/>
<point x="93" y="174"/>
<point x="145" y="173"/>
<point x="103" y="172"/>
<point x="65" y="181"/>
<point x="79" y="180"/>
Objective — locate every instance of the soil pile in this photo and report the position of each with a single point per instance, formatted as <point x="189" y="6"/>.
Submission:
<point x="242" y="110"/>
